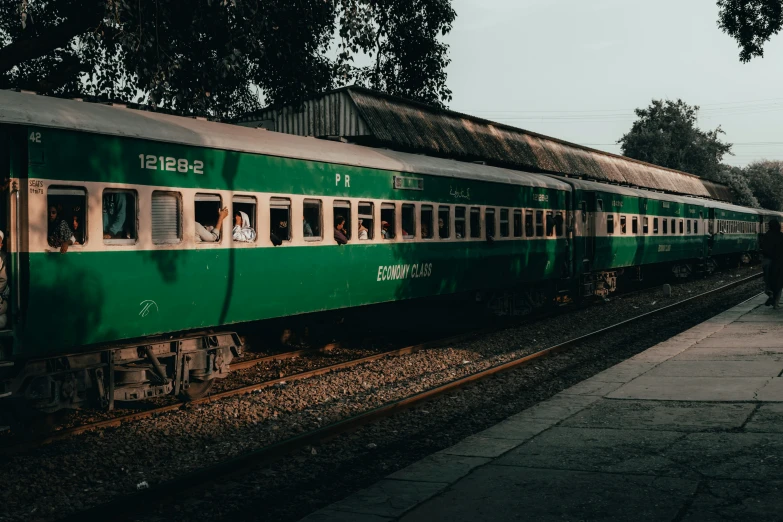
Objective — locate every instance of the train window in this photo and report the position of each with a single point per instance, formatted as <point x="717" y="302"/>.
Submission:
<point x="610" y="223"/>
<point x="673" y="226"/>
<point x="426" y="222"/>
<point x="444" y="222"/>
<point x="67" y="213"/>
<point x="583" y="206"/>
<point x="475" y="222"/>
<point x="529" y="223"/>
<point x="280" y="218"/>
<point x="408" y="221"/>
<point x="244" y="207"/>
<point x="665" y="223"/>
<point x="388" y="220"/>
<point x="655" y="225"/>
<point x="366" y="221"/>
<point x="312" y="219"/>
<point x="645" y="226"/>
<point x="634" y="225"/>
<point x="504" y="222"/>
<point x="550" y="224"/>
<point x="489" y="222"/>
<point x="539" y="223"/>
<point x="166" y="227"/>
<point x="459" y="222"/>
<point x="623" y="227"/>
<point x="688" y="225"/>
<point x="342" y="215"/>
<point x="559" y="221"/>
<point x="599" y="205"/>
<point x="517" y="223"/>
<point x="681" y="228"/>
<point x="208" y="208"/>
<point x="119" y="217"/>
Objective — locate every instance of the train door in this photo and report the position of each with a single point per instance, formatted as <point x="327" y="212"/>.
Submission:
<point x="589" y="212"/>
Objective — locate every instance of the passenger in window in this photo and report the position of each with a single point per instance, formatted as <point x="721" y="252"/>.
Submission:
<point x="78" y="230"/>
<point x="363" y="232"/>
<point x="339" y="231"/>
<point x="242" y="231"/>
<point x="425" y="230"/>
<point x="442" y="232"/>
<point x="59" y="234"/>
<point x="5" y="291"/>
<point x="307" y="229"/>
<point x="114" y="212"/>
<point x="385" y="230"/>
<point x="211" y="234"/>
<point x="279" y="232"/>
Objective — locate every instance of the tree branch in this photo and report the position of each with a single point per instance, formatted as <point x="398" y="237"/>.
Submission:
<point x="54" y="38"/>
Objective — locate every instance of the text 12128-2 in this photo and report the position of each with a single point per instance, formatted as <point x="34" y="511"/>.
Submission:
<point x="170" y="164"/>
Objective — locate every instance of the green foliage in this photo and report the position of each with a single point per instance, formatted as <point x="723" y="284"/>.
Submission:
<point x="751" y="22"/>
<point x="765" y="179"/>
<point x="222" y="57"/>
<point x="737" y="181"/>
<point x="666" y="134"/>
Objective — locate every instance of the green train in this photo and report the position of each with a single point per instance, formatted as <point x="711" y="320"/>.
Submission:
<point x="134" y="240"/>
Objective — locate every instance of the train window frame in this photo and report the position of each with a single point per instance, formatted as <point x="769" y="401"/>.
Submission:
<point x="208" y="197"/>
<point x="243" y="199"/>
<point x="457" y="220"/>
<point x="610" y="224"/>
<point x="645" y="226"/>
<point x="518" y="227"/>
<point x="682" y="227"/>
<point x="392" y="224"/>
<point x="673" y="226"/>
<point x="346" y="205"/>
<point x="278" y="203"/>
<point x="71" y="191"/>
<point x="623" y="224"/>
<point x="635" y="225"/>
<point x="656" y="229"/>
<point x="446" y="222"/>
<point x="411" y="208"/>
<point x="490" y="223"/>
<point x="134" y="220"/>
<point x="365" y="217"/>
<point x="664" y="227"/>
<point x="423" y="221"/>
<point x="530" y="223"/>
<point x="560" y="224"/>
<point x="178" y="197"/>
<point x="474" y="231"/>
<point x="599" y="205"/>
<point x="540" y="223"/>
<point x="688" y="226"/>
<point x="549" y="221"/>
<point x="505" y="221"/>
<point x="583" y="208"/>
<point x="309" y="204"/>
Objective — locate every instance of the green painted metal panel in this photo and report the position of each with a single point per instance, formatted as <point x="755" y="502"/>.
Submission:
<point x="80" y="299"/>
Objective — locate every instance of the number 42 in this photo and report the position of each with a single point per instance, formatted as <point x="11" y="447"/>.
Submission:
<point x="35" y="137"/>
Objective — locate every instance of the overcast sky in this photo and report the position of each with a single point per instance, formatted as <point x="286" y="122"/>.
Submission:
<point x="576" y="69"/>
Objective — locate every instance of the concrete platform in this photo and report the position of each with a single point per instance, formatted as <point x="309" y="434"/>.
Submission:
<point x="689" y="430"/>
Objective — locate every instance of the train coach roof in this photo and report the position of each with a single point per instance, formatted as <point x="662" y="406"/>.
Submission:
<point x="633" y="192"/>
<point x="117" y="120"/>
<point x="725" y="206"/>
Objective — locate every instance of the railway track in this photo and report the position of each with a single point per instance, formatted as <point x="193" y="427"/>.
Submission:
<point x="129" y="504"/>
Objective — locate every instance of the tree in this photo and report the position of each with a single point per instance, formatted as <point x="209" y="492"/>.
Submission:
<point x="735" y="179"/>
<point x="222" y="57"/>
<point x="765" y="179"/>
<point x="666" y="134"/>
<point x="751" y="22"/>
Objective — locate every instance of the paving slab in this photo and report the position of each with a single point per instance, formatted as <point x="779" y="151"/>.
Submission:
<point x="659" y="388"/>
<point x="737" y="500"/>
<point x="478" y="446"/>
<point x="504" y="494"/>
<point x="330" y="515"/>
<point x="440" y="467"/>
<point x="772" y="392"/>
<point x="721" y="368"/>
<point x="664" y="415"/>
<point x="625" y="371"/>
<point x="517" y="429"/>
<point x="767" y="418"/>
<point x="604" y="450"/>
<point x="388" y="498"/>
<point x="592" y="387"/>
<point x="556" y="409"/>
<point x="737" y="456"/>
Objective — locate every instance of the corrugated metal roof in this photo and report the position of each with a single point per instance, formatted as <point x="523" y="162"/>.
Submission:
<point x="389" y="121"/>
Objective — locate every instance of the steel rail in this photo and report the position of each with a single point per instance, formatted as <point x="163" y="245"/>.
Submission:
<point x="127" y="505"/>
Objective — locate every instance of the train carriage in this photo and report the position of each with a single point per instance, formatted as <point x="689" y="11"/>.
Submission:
<point x="89" y="323"/>
<point x="733" y="231"/>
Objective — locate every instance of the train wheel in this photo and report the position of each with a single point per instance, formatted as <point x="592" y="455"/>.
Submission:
<point x="196" y="390"/>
